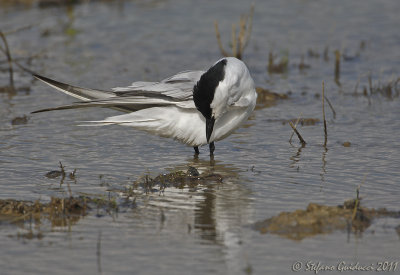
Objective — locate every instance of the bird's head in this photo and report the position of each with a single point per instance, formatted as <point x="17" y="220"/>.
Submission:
<point x="227" y="84"/>
<point x="203" y="93"/>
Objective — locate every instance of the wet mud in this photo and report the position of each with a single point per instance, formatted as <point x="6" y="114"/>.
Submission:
<point x="59" y="211"/>
<point x="178" y="179"/>
<point x="321" y="219"/>
<point x="267" y="98"/>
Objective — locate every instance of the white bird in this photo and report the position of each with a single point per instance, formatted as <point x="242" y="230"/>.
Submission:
<point x="193" y="107"/>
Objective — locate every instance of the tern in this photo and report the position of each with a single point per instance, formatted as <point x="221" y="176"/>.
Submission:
<point x="193" y="107"/>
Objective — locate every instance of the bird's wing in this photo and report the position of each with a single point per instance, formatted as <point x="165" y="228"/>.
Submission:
<point x="179" y="86"/>
<point x="176" y="90"/>
<point x="77" y="92"/>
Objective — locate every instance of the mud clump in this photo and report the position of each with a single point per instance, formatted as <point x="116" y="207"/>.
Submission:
<point x="267" y="98"/>
<point x="179" y="179"/>
<point x="20" y="120"/>
<point x="59" y="211"/>
<point x="321" y="219"/>
<point x="35" y="219"/>
<point x="56" y="173"/>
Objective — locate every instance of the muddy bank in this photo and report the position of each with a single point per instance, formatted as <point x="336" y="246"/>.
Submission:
<point x="59" y="211"/>
<point x="322" y="219"/>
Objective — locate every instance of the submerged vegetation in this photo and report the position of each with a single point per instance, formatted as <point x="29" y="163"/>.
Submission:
<point x="178" y="179"/>
<point x="389" y="90"/>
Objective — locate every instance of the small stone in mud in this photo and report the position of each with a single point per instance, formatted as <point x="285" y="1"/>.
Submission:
<point x="346" y="144"/>
<point x="19" y="120"/>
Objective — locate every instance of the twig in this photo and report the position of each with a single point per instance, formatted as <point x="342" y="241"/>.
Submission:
<point x="298" y="134"/>
<point x="323" y="112"/>
<point x="6" y="51"/>
<point x="62" y="167"/>
<point x="295" y="126"/>
<point x="337" y="66"/>
<point x="331" y="106"/>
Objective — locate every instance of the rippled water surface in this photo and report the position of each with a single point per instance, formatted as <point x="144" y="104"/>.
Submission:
<point x="207" y="229"/>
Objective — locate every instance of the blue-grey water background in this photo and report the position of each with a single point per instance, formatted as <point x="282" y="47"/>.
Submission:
<point x="104" y="44"/>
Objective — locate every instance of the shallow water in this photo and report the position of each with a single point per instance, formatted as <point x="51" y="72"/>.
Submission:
<point x="207" y="229"/>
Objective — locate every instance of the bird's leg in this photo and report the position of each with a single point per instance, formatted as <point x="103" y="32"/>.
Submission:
<point x="212" y="148"/>
<point x="196" y="150"/>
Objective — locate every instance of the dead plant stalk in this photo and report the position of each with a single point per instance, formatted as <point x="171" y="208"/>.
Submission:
<point x="295" y="126"/>
<point x="239" y="39"/>
<point x="6" y="51"/>
<point x="323" y="113"/>
<point x="303" y="142"/>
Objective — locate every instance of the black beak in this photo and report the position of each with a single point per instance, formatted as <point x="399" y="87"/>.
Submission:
<point x="209" y="128"/>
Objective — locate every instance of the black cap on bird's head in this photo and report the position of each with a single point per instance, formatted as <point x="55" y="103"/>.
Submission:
<point x="203" y="93"/>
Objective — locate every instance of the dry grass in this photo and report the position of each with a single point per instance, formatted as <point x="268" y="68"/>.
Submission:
<point x="239" y="38"/>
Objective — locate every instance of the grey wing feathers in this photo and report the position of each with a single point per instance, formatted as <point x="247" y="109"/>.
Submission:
<point x="176" y="90"/>
<point x="179" y="86"/>
<point x="78" y="92"/>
